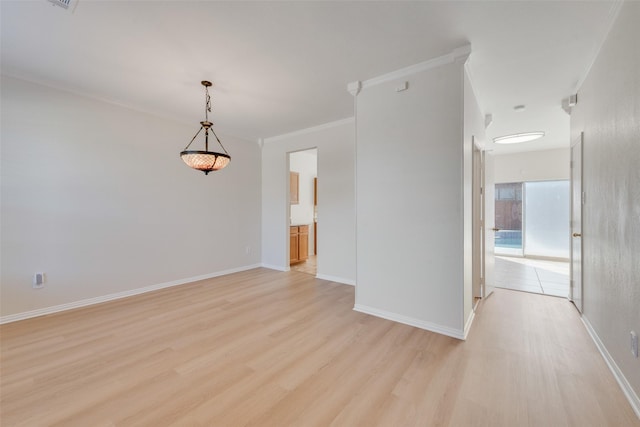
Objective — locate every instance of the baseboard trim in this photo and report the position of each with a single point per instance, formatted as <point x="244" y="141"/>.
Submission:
<point x="628" y="391"/>
<point x="118" y="295"/>
<point x="467" y="326"/>
<point x="429" y="326"/>
<point x="336" y="279"/>
<point x="275" y="267"/>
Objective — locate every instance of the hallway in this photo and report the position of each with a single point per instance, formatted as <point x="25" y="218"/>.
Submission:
<point x="532" y="275"/>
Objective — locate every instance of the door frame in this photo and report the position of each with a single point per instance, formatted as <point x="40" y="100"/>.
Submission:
<point x="488" y="222"/>
<point x="577" y="203"/>
<point x="478" y="213"/>
<point x="483" y="235"/>
<point x="288" y="201"/>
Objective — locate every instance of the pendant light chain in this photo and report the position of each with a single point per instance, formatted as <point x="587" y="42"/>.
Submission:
<point x="207" y="107"/>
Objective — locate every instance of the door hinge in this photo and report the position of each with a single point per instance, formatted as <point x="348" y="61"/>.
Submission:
<point x="481" y="191"/>
<point x="584" y="198"/>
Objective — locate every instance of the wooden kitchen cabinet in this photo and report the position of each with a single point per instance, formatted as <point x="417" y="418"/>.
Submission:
<point x="303" y="242"/>
<point x="298" y="243"/>
<point x="293" y="245"/>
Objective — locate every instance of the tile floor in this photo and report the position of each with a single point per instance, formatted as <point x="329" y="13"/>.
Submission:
<point x="532" y="275"/>
<point x="310" y="266"/>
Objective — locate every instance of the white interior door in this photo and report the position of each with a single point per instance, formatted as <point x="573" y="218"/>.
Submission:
<point x="489" y="228"/>
<point x="577" y="200"/>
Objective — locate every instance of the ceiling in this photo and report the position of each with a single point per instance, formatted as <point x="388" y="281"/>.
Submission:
<point x="278" y="67"/>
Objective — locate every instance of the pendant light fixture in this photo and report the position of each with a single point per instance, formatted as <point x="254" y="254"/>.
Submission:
<point x="206" y="161"/>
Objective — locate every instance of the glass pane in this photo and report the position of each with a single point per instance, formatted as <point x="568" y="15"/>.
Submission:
<point x="508" y="217"/>
<point x="547" y="218"/>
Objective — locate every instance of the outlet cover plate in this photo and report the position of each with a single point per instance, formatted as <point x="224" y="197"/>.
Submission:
<point x="38" y="280"/>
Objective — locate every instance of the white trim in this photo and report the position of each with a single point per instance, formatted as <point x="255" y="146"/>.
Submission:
<point x="93" y="97"/>
<point x="354" y="88"/>
<point x="318" y="276"/>
<point x="309" y="130"/>
<point x="157" y="114"/>
<point x="336" y="279"/>
<point x="628" y="391"/>
<point x="275" y="267"/>
<point x="458" y="54"/>
<point x="467" y="326"/>
<point x="433" y="327"/>
<point x="611" y="19"/>
<point x="119" y="295"/>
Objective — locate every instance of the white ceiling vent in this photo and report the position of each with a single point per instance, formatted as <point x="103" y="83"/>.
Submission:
<point x="66" y="4"/>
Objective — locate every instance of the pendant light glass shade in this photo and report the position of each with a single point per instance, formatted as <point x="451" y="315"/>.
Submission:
<point x="205" y="160"/>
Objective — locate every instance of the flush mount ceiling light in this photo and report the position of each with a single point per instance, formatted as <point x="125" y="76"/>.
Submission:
<point x="205" y="161"/>
<point x="518" y="138"/>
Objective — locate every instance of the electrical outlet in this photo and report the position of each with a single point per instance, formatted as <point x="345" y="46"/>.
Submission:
<point x="634" y="344"/>
<point x="38" y="280"/>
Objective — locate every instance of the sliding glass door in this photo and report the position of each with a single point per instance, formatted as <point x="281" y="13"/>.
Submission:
<point x="533" y="219"/>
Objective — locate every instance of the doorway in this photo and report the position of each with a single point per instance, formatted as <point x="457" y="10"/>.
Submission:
<point x="533" y="236"/>
<point x="303" y="211"/>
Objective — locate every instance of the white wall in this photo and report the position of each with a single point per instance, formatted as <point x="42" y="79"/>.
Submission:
<point x="96" y="196"/>
<point x="544" y="165"/>
<point x="306" y="164"/>
<point x="608" y="111"/>
<point x="336" y="199"/>
<point x="410" y="190"/>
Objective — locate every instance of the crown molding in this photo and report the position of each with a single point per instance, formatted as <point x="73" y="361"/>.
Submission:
<point x="354" y="88"/>
<point x="612" y="17"/>
<point x="457" y="55"/>
<point x="225" y="132"/>
<point x="309" y="130"/>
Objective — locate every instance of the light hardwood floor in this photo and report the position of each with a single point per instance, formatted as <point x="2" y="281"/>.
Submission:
<point x="267" y="348"/>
